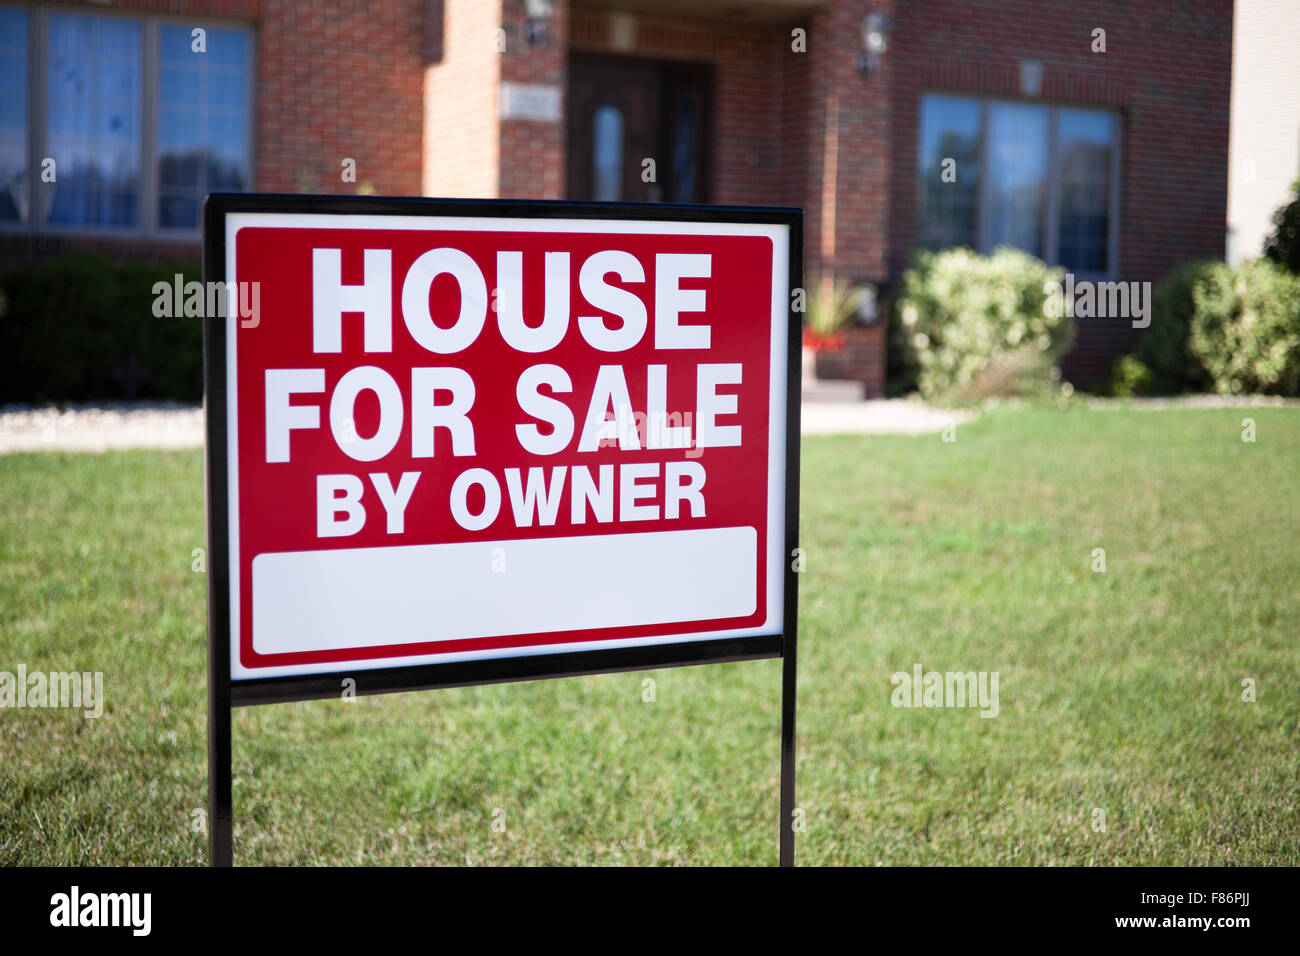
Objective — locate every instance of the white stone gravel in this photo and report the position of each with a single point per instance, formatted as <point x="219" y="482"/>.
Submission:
<point x="884" y="416"/>
<point x="1196" y="401"/>
<point x="102" y="427"/>
<point x="148" y="425"/>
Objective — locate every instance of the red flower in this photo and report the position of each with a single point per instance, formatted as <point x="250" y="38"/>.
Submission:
<point x="823" y="343"/>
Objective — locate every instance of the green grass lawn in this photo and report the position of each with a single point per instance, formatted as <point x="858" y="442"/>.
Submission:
<point x="1119" y="692"/>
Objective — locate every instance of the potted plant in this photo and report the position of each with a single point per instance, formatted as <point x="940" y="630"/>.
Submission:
<point x="831" y="302"/>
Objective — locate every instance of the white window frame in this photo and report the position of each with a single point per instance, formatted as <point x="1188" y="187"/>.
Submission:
<point x="983" y="216"/>
<point x="146" y="227"/>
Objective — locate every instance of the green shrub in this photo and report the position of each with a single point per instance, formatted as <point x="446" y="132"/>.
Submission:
<point x="1166" y="348"/>
<point x="973" y="326"/>
<point x="1284" y="245"/>
<point x="79" y="328"/>
<point x="1246" y="328"/>
<point x="1129" y="377"/>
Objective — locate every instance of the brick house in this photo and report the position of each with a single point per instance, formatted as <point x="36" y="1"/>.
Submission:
<point x="1105" y="152"/>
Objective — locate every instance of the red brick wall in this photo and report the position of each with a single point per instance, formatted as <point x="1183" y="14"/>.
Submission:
<point x="1166" y="71"/>
<point x="848" y="169"/>
<point x="462" y="133"/>
<point x="339" y="80"/>
<point x="246" y="10"/>
<point x="792" y="128"/>
<point x="533" y="151"/>
<point x="861" y="359"/>
<point x="746" y="149"/>
<point x="796" y="129"/>
<point x="470" y="150"/>
<point x="850" y="117"/>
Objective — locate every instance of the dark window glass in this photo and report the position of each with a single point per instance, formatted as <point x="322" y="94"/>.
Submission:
<point x="1085" y="141"/>
<point x="202" y="121"/>
<point x="13" y="115"/>
<point x="950" y="130"/>
<point x="684" y="119"/>
<point x="1018" y="177"/>
<point x="607" y="161"/>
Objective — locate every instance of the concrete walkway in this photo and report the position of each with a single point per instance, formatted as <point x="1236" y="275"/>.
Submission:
<point x="882" y="416"/>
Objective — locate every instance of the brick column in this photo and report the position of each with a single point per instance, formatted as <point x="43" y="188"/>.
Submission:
<point x="532" y="161"/>
<point x="461" y="130"/>
<point x="494" y="103"/>
<point x="842" y="118"/>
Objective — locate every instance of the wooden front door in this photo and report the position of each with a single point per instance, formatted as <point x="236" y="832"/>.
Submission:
<point x="624" y="112"/>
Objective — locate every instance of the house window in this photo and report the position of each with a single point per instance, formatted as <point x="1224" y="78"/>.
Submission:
<point x="202" y="121"/>
<point x="132" y="122"/>
<point x="950" y="171"/>
<point x="92" y="120"/>
<point x="13" y="114"/>
<point x="1017" y="173"/>
<point x="1086" y="156"/>
<point x="1037" y="177"/>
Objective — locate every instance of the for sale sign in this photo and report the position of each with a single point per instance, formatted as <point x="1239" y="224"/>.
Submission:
<point x="527" y="439"/>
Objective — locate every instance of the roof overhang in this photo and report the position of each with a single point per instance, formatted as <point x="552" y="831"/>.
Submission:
<point x="741" y="11"/>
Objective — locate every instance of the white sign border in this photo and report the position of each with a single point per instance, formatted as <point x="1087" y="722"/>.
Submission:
<point x="779" y="234"/>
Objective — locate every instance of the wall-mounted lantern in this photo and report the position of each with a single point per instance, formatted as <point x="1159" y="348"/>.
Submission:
<point x="537" y="13"/>
<point x="868" y="312"/>
<point x="875" y="41"/>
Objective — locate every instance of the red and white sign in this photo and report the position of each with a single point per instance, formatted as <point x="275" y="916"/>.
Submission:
<point x="457" y="437"/>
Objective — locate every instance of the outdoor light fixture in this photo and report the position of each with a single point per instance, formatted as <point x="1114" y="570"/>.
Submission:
<point x="537" y="12"/>
<point x="875" y="41"/>
<point x="867" y="310"/>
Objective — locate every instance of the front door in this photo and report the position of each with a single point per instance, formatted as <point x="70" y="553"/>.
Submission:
<point x="637" y="130"/>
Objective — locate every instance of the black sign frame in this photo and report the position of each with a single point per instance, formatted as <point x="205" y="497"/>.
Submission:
<point x="225" y="694"/>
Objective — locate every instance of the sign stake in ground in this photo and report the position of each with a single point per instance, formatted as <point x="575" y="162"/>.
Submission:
<point x="471" y="442"/>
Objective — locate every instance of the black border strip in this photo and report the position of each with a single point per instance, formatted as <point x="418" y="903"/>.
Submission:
<point x="225" y="693"/>
<point x="220" y="766"/>
<point x="389" y="680"/>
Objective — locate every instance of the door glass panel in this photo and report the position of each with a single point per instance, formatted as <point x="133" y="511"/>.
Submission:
<point x="607" y="158"/>
<point x="684" y="146"/>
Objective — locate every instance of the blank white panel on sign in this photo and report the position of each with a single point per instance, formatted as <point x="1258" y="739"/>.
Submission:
<point x="367" y="597"/>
